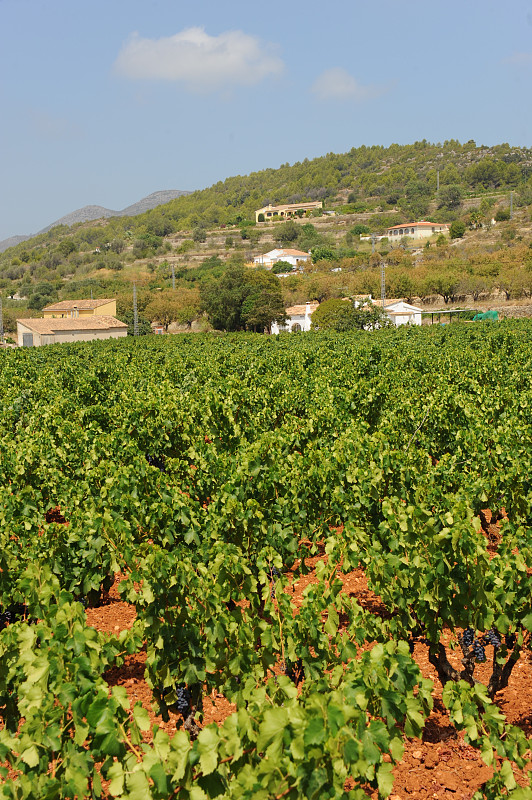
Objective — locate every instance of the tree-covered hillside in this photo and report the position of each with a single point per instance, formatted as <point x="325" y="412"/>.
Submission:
<point x="366" y="190"/>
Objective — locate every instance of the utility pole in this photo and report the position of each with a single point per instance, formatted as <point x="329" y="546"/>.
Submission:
<point x="383" y="284"/>
<point x="511" y="205"/>
<point x="438" y="182"/>
<point x="373" y="238"/>
<point x="1" y="323"/>
<point x="173" y="277"/>
<point x="135" y="312"/>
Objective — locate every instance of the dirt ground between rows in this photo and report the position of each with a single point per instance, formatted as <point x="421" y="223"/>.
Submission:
<point x="441" y="765"/>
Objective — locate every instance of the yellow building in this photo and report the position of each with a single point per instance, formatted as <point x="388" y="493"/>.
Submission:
<point x="36" y="332"/>
<point x="287" y="210"/>
<point x="80" y="308"/>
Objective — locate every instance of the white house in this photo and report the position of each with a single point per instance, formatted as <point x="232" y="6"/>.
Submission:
<point x="416" y="230"/>
<point x="293" y="257"/>
<point x="298" y="318"/>
<point x="402" y="313"/>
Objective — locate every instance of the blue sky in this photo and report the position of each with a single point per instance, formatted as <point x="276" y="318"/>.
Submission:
<point x="104" y="102"/>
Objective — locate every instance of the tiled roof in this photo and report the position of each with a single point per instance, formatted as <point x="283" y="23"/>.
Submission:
<point x="82" y="305"/>
<point x="295" y="311"/>
<point x="417" y="224"/>
<point x="297" y="253"/>
<point x="51" y="326"/>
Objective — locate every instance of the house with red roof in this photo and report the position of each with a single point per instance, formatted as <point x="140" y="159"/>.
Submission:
<point x="416" y="230"/>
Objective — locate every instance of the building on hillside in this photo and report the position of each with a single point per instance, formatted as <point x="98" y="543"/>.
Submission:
<point x="80" y="308"/>
<point x="287" y="210"/>
<point x="402" y="313"/>
<point x="416" y="230"/>
<point x="298" y="318"/>
<point x="35" y="332"/>
<point x="293" y="257"/>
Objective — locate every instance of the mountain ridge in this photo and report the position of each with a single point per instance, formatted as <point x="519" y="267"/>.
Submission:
<point x="93" y="212"/>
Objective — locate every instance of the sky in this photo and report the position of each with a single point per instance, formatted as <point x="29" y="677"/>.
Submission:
<point x="107" y="101"/>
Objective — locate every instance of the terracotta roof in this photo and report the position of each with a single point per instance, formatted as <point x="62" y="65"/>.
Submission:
<point x="294" y="253"/>
<point x="294" y="311"/>
<point x="417" y="224"/>
<point x="51" y="326"/>
<point x="82" y="305"/>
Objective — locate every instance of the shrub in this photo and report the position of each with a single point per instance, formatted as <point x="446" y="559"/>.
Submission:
<point x="502" y="215"/>
<point x="457" y="229"/>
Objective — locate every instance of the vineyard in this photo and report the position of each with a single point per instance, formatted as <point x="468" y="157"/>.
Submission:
<point x="228" y="491"/>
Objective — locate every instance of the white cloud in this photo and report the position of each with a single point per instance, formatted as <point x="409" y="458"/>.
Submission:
<point x="199" y="61"/>
<point x="337" y="84"/>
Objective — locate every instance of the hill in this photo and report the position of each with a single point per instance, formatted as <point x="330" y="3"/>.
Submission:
<point x="90" y="213"/>
<point x="485" y="193"/>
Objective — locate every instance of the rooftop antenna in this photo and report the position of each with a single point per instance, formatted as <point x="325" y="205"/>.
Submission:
<point x="135" y="312"/>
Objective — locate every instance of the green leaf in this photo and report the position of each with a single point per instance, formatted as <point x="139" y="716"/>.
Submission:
<point x="314" y="732"/>
<point x="159" y="777"/>
<point x="207" y="743"/>
<point x="385" y="779"/>
<point x="141" y="717"/>
<point x="275" y="720"/>
<point x="30" y="756"/>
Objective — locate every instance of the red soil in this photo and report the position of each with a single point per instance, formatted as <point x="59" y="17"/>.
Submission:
<point x="441" y="765"/>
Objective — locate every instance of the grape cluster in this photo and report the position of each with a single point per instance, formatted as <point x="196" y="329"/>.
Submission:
<point x="468" y="637"/>
<point x="274" y="575"/>
<point x="479" y="652"/>
<point x="492" y="637"/>
<point x="156" y="461"/>
<point x="12" y="614"/>
<point x="294" y="671"/>
<point x="184" y="697"/>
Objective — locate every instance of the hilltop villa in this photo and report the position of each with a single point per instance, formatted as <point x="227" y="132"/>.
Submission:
<point x="287" y="210"/>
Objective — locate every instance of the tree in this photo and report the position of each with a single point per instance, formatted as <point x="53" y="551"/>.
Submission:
<point x="343" y="315"/>
<point x="263" y="302"/>
<point x="359" y="229"/>
<point x="288" y="233"/>
<point x="144" y="327"/>
<point x="179" y="305"/>
<point x="457" y="229"/>
<point x="222" y="299"/>
<point x="450" y="196"/>
<point x="199" y="235"/>
<point x="282" y="266"/>
<point x="243" y="298"/>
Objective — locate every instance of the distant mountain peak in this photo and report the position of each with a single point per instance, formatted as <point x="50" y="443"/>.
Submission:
<point x="90" y="213"/>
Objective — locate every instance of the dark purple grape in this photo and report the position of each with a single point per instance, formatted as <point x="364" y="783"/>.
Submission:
<point x="493" y="637"/>
<point x="479" y="652"/>
<point x="182" y="703"/>
<point x="468" y="637"/>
